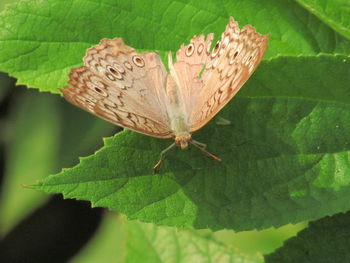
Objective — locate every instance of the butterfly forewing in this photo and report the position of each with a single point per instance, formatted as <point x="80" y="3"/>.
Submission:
<point x="190" y="60"/>
<point x="122" y="86"/>
<point x="230" y="64"/>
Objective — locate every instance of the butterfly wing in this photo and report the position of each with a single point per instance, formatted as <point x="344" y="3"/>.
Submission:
<point x="230" y="64"/>
<point x="190" y="61"/>
<point x="123" y="87"/>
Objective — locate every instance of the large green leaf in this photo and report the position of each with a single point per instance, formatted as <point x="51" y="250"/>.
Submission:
<point x="149" y="243"/>
<point x="324" y="241"/>
<point x="335" y="13"/>
<point x="285" y="158"/>
<point x="40" y="41"/>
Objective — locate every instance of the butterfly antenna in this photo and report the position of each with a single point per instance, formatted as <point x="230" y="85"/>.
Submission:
<point x="205" y="151"/>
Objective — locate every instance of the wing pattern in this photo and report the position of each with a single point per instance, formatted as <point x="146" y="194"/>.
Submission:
<point x="122" y="87"/>
<point x="230" y="64"/>
<point x="133" y="89"/>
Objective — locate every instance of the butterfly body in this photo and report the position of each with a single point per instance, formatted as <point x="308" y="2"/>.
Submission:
<point x="176" y="109"/>
<point x="134" y="90"/>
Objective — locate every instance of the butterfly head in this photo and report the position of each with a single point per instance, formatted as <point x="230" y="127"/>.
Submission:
<point x="182" y="139"/>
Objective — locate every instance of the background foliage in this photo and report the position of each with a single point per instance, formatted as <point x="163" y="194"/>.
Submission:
<point x="285" y="155"/>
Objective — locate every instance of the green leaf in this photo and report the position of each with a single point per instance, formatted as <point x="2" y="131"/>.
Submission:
<point x="335" y="13"/>
<point x="5" y="2"/>
<point x="285" y="158"/>
<point x="40" y="41"/>
<point x="323" y="77"/>
<point x="148" y="243"/>
<point x="264" y="241"/>
<point x="118" y="240"/>
<point x="325" y="240"/>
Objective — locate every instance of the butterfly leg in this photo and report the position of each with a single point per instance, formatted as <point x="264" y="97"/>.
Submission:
<point x="203" y="145"/>
<point x="162" y="155"/>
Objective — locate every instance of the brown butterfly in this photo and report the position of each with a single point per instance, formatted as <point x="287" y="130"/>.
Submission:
<point x="133" y="90"/>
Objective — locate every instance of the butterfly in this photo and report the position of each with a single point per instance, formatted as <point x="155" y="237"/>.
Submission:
<point x="133" y="90"/>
